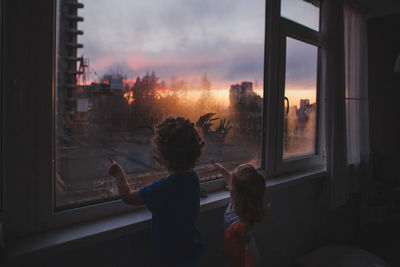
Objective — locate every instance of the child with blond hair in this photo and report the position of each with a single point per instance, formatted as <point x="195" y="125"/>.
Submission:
<point x="247" y="207"/>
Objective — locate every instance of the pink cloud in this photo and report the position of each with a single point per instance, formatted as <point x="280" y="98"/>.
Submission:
<point x="102" y="63"/>
<point x="168" y="59"/>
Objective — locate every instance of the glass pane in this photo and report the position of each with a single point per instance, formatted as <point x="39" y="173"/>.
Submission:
<point x="143" y="61"/>
<point x="299" y="134"/>
<point x="305" y="12"/>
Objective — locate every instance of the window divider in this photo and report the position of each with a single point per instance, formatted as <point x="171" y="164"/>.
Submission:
<point x="300" y="32"/>
<point x="271" y="94"/>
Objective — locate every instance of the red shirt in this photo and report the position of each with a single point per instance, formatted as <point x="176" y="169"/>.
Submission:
<point x="238" y="245"/>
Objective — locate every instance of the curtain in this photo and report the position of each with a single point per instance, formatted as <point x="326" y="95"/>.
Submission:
<point x="346" y="114"/>
<point x="357" y="115"/>
<point x="333" y="82"/>
<point x="356" y="73"/>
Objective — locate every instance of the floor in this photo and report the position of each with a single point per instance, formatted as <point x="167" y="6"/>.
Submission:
<point x="383" y="240"/>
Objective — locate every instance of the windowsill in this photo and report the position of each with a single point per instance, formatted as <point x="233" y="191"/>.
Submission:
<point x="284" y="181"/>
<point x="100" y="230"/>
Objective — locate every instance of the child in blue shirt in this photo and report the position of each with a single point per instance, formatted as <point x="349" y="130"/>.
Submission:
<point x="174" y="200"/>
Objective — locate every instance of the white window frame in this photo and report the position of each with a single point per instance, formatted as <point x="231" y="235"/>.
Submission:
<point x="32" y="209"/>
<point x="281" y="28"/>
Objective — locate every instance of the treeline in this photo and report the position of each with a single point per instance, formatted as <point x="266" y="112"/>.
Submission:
<point x="146" y="101"/>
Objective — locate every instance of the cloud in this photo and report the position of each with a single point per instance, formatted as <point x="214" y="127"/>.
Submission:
<point x="301" y="64"/>
<point x="246" y="62"/>
<point x="183" y="38"/>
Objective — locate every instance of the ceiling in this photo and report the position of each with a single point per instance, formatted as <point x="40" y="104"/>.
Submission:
<point x="377" y="8"/>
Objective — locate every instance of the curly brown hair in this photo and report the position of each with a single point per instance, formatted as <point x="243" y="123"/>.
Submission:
<point x="248" y="189"/>
<point x="179" y="143"/>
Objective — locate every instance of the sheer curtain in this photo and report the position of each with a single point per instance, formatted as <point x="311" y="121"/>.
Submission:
<point x="356" y="77"/>
<point x="346" y="94"/>
<point x="357" y="115"/>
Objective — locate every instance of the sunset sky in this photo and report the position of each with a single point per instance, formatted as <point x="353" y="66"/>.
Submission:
<point x="187" y="38"/>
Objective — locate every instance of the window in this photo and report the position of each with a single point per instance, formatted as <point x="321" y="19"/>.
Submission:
<point x="298" y="142"/>
<point x="104" y="86"/>
<point x="300" y="91"/>
<point x="122" y="72"/>
<point x="304" y="12"/>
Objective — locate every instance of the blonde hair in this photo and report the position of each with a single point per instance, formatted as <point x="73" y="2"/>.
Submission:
<point x="248" y="189"/>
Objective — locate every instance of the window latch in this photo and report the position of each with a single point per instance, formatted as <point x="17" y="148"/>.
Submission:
<point x="287" y="108"/>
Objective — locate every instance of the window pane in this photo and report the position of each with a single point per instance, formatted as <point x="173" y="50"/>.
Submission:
<point x="299" y="134"/>
<point x="305" y="12"/>
<point x="142" y="61"/>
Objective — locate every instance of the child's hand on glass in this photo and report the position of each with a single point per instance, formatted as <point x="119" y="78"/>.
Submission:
<point x="217" y="167"/>
<point x="115" y="169"/>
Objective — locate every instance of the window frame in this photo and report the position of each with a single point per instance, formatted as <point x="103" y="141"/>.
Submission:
<point x="49" y="217"/>
<point x="303" y="34"/>
<point x="37" y="208"/>
<point x="288" y="28"/>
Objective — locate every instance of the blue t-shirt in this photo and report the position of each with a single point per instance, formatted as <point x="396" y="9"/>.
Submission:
<point x="174" y="202"/>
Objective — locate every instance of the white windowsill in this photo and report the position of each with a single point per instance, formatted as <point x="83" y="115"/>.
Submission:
<point x="293" y="179"/>
<point x="104" y="229"/>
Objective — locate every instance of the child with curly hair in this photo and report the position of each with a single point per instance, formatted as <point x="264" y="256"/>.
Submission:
<point x="247" y="187"/>
<point x="174" y="200"/>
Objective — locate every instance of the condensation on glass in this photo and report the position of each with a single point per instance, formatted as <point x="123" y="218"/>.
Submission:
<point x="299" y="135"/>
<point x="123" y="66"/>
<point x="305" y="12"/>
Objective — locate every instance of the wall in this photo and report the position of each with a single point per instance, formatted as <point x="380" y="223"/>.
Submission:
<point x="297" y="222"/>
<point x="384" y="85"/>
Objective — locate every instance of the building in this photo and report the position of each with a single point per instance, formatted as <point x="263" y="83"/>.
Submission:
<point x="246" y="110"/>
<point x="241" y="94"/>
<point x="67" y="61"/>
<point x="303" y="113"/>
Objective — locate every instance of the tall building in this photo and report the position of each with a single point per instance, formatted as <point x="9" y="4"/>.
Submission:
<point x="67" y="64"/>
<point x="303" y="113"/>
<point x="246" y="105"/>
<point x="241" y="93"/>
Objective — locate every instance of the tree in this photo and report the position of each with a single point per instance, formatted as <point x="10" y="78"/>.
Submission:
<point x="205" y="101"/>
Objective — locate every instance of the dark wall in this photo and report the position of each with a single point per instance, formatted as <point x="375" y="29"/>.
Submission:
<point x="384" y="86"/>
<point x="297" y="223"/>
